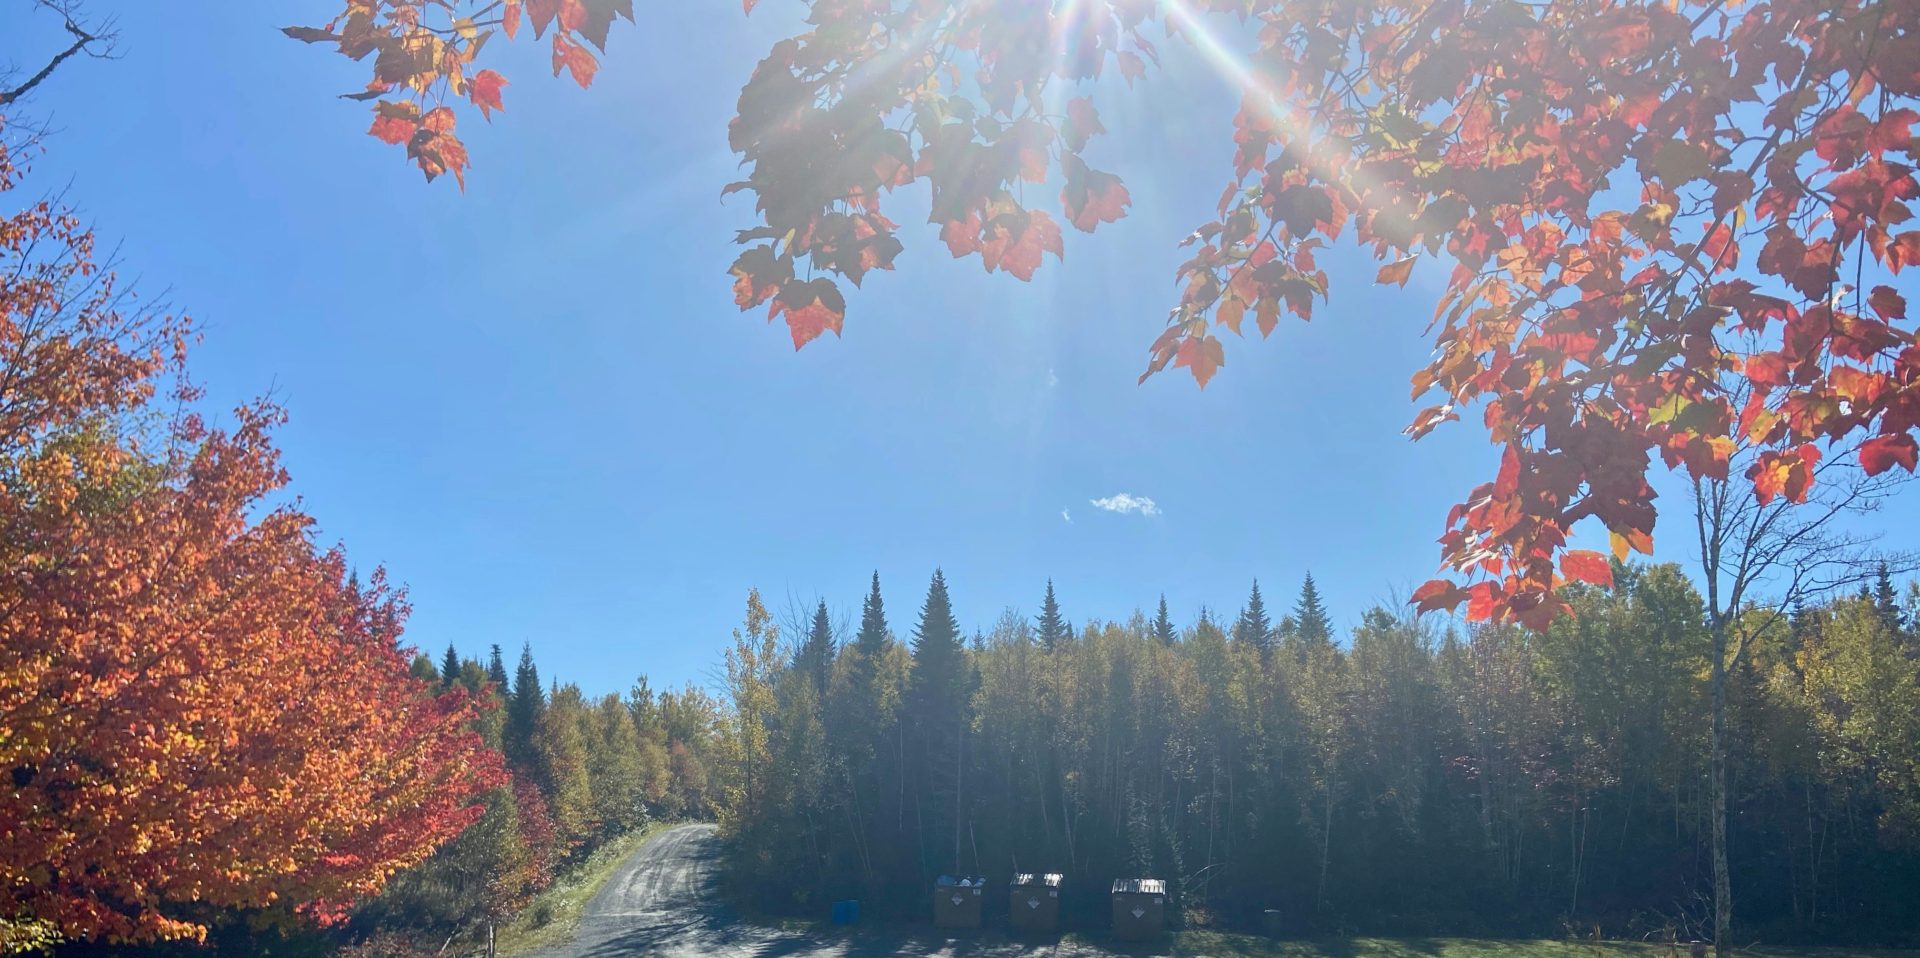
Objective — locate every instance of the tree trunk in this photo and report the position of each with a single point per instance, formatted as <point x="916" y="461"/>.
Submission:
<point x="1717" y="800"/>
<point x="959" y="773"/>
<point x="1326" y="849"/>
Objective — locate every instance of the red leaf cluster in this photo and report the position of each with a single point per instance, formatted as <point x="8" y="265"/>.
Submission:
<point x="423" y="54"/>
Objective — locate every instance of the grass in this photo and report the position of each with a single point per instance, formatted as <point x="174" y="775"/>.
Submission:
<point x="554" y="914"/>
<point x="1216" y="944"/>
<point x="1221" y="945"/>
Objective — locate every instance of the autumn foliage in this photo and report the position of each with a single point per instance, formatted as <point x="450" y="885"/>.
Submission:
<point x="1625" y="207"/>
<point x="423" y="61"/>
<point x="197" y="705"/>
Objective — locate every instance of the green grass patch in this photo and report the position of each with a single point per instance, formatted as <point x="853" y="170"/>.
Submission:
<point x="909" y="936"/>
<point x="1210" y="944"/>
<point x="553" y="915"/>
<point x="1216" y="944"/>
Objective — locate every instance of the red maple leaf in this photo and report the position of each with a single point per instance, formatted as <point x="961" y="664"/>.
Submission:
<point x="484" y="91"/>
<point x="811" y="308"/>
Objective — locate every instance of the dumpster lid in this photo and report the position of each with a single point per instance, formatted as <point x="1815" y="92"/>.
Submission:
<point x="964" y="881"/>
<point x="1139" y="886"/>
<point x="1050" y="879"/>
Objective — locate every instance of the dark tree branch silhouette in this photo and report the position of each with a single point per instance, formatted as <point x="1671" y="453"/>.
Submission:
<point x="94" y="41"/>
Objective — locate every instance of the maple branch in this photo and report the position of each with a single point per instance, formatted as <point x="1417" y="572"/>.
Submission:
<point x="457" y="31"/>
<point x="1711" y="9"/>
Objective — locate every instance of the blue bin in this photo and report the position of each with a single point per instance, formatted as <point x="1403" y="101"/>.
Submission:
<point x="846" y="912"/>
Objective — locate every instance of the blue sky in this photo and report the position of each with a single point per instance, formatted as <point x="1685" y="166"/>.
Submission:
<point x="536" y="404"/>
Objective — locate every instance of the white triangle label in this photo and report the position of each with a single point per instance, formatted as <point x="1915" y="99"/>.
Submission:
<point x="1137" y="912"/>
<point x="957" y="899"/>
<point x="1033" y="903"/>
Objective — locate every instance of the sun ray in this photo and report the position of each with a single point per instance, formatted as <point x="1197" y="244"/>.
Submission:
<point x="1256" y="92"/>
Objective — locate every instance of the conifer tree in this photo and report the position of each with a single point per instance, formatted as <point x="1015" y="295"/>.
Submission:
<point x="816" y="654"/>
<point x="524" y="707"/>
<point x="869" y="652"/>
<point x="449" y="668"/>
<point x="937" y="705"/>
<point x="1053" y="628"/>
<point x="1253" y="627"/>
<point x="1163" y="625"/>
<point x="1886" y="601"/>
<point x="871" y="746"/>
<point x="497" y="673"/>
<point x="872" y="637"/>
<point x="1310" y="616"/>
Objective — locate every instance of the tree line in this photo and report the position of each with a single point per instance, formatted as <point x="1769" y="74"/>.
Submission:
<point x="1399" y="777"/>
<point x="580" y="772"/>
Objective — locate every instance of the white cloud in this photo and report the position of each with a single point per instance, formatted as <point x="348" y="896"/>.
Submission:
<point x="1124" y="503"/>
<point x="1066" y="517"/>
<point x="1052" y="380"/>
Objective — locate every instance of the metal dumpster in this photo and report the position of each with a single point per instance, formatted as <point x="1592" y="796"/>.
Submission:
<point x="956" y="901"/>
<point x="1033" y="901"/>
<point x="1139" y="908"/>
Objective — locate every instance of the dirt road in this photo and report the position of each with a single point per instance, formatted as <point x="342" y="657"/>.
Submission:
<point x="661" y="902"/>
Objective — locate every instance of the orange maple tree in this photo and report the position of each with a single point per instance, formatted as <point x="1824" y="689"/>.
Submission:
<point x="197" y="705"/>
<point x="1634" y="204"/>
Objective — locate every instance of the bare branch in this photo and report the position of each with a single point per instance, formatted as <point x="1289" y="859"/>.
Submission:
<point x="94" y="41"/>
<point x="1783" y="552"/>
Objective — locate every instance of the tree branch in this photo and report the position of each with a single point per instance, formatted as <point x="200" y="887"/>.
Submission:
<point x="82" y="38"/>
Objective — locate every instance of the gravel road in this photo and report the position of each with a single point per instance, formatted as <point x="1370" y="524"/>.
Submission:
<point x="661" y="902"/>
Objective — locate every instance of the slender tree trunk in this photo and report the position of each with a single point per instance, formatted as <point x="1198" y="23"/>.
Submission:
<point x="1213" y="811"/>
<point x="854" y="822"/>
<point x="1326" y="847"/>
<point x="1717" y="800"/>
<point x="959" y="773"/>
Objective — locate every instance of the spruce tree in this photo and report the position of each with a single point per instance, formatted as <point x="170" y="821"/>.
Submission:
<point x="872" y="638"/>
<point x="816" y="653"/>
<point x="939" y="660"/>
<point x="866" y="654"/>
<point x="449" y="668"/>
<point x="1253" y="627"/>
<point x="1162" y="625"/>
<point x="1886" y="601"/>
<point x="524" y="708"/>
<point x="873" y="742"/>
<point x="937" y="706"/>
<point x="1053" y="628"/>
<point x="497" y="673"/>
<point x="1310" y="616"/>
